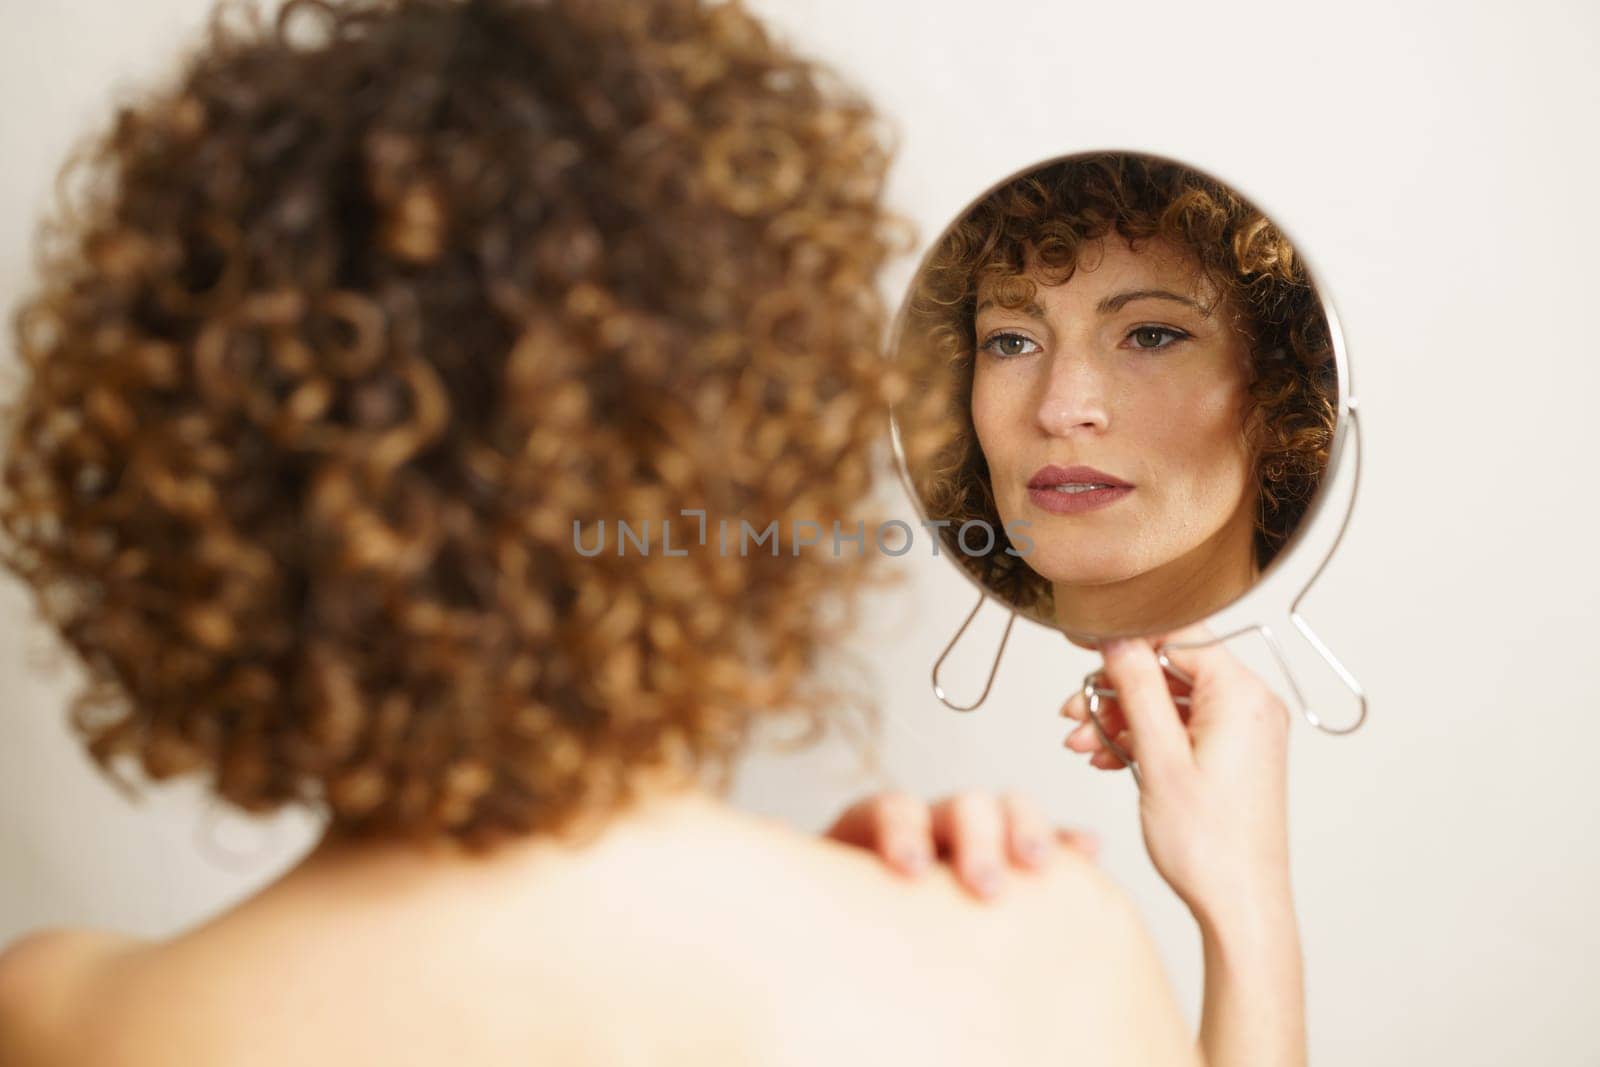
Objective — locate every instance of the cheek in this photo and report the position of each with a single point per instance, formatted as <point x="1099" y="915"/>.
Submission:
<point x="1199" y="436"/>
<point x="1228" y="474"/>
<point x="990" y="414"/>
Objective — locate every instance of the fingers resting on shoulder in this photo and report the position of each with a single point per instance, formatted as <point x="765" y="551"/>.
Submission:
<point x="979" y="834"/>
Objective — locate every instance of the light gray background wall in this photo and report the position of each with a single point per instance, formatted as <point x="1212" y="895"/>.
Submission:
<point x="1436" y="161"/>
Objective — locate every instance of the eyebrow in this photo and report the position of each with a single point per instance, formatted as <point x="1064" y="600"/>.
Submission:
<point x="1112" y="303"/>
<point x="1030" y="309"/>
<point x="1115" y="303"/>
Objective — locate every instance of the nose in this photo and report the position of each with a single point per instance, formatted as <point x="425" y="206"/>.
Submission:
<point x="1074" y="397"/>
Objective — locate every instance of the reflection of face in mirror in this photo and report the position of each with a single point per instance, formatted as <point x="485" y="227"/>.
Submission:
<point x="1150" y="403"/>
<point x="1119" y="378"/>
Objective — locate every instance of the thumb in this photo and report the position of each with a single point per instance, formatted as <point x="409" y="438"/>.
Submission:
<point x="1161" y="742"/>
<point x="1218" y="678"/>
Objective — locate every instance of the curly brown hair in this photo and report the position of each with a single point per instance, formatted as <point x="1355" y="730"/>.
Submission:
<point x="366" y="317"/>
<point x="1042" y="219"/>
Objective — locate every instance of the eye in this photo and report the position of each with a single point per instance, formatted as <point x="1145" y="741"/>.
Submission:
<point x="1007" y="345"/>
<point x="1149" y="338"/>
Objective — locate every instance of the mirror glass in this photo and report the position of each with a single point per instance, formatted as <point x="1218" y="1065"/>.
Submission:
<point x="1126" y="393"/>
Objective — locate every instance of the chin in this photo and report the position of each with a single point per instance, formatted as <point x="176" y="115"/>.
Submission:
<point x="1069" y="567"/>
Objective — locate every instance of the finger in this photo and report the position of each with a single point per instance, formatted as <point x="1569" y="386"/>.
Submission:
<point x="971" y="826"/>
<point x="1121" y="747"/>
<point x="897" y="826"/>
<point x="1085" y="841"/>
<point x="1161" y="743"/>
<point x="1076" y="707"/>
<point x="1084" y="739"/>
<point x="1106" y="760"/>
<point x="1088" y="738"/>
<point x="1223" y="687"/>
<point x="1197" y="634"/>
<point x="1110" y="711"/>
<point x="1118" y="752"/>
<point x="1112" y="719"/>
<point x="1027" y="831"/>
<point x="1208" y="661"/>
<point x="1091" y="736"/>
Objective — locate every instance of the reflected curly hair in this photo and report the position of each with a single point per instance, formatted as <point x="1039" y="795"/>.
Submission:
<point x="359" y="324"/>
<point x="1043" y="219"/>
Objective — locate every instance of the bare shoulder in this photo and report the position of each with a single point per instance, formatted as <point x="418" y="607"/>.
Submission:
<point x="1051" y="969"/>
<point x="1111" y="961"/>
<point x="46" y="978"/>
<point x="1069" y="941"/>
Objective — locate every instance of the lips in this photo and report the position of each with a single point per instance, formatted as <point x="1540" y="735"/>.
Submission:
<point x="1076" y="479"/>
<point x="1075" y="490"/>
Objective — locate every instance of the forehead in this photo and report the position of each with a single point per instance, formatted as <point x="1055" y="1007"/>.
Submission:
<point x="1106" y="265"/>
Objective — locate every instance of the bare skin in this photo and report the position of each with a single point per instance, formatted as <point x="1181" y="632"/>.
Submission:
<point x="1213" y="810"/>
<point x="686" y="933"/>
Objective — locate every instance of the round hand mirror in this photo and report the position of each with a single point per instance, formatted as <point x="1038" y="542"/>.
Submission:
<point x="1130" y="395"/>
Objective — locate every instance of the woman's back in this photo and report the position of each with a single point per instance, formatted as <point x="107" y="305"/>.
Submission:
<point x="688" y="933"/>
<point x="368" y="329"/>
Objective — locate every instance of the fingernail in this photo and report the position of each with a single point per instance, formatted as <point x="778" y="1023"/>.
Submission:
<point x="986" y="880"/>
<point x="1115" y="646"/>
<point x="1032" y="851"/>
<point x="911" y="859"/>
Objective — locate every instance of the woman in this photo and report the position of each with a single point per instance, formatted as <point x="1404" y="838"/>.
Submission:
<point x="1136" y="376"/>
<point x="367" y="318"/>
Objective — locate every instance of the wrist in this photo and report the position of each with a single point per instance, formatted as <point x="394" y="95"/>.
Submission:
<point x="1245" y="915"/>
<point x="1255" y="957"/>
